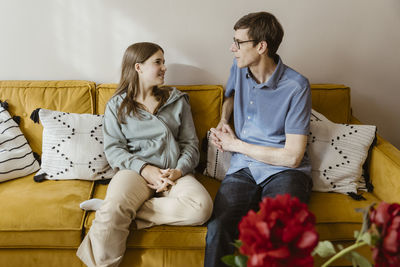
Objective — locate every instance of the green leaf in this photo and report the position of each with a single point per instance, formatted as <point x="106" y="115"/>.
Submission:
<point x="359" y="260"/>
<point x="366" y="237"/>
<point x="237" y="243"/>
<point x="324" y="249"/>
<point x="229" y="260"/>
<point x="366" y="221"/>
<point x="241" y="261"/>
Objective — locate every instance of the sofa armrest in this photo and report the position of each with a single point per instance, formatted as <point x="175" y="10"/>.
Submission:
<point x="384" y="170"/>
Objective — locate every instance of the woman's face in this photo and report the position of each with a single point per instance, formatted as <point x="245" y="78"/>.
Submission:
<point x="152" y="71"/>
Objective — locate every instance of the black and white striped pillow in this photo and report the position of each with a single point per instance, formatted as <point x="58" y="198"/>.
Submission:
<point x="16" y="156"/>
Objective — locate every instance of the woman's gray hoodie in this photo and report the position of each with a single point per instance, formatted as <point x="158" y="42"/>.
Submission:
<point x="166" y="139"/>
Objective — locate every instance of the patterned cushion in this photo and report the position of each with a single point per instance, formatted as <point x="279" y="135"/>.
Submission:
<point x="337" y="153"/>
<point x="72" y="146"/>
<point x="16" y="156"/>
<point x="217" y="161"/>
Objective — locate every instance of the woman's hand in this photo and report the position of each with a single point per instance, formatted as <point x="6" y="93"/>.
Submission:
<point x="156" y="178"/>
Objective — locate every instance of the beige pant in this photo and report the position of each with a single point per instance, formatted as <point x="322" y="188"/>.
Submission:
<point x="129" y="198"/>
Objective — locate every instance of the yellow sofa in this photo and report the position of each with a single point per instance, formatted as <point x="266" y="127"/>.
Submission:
<point x="41" y="224"/>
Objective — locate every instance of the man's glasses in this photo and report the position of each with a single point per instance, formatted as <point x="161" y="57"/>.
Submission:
<point x="237" y="43"/>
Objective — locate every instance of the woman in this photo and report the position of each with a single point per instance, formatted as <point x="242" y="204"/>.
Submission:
<point x="149" y="137"/>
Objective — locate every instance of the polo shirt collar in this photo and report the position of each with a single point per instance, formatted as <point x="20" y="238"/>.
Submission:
<point x="274" y="79"/>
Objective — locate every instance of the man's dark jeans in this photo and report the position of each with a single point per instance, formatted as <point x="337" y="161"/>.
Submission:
<point x="237" y="195"/>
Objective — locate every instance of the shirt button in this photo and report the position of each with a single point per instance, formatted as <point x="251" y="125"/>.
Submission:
<point x="251" y="102"/>
<point x="249" y="164"/>
<point x="248" y="117"/>
<point x="244" y="131"/>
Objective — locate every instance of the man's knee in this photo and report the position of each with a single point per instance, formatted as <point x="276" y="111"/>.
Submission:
<point x="292" y="182"/>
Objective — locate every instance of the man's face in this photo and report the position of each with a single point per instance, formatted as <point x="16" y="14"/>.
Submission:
<point x="247" y="54"/>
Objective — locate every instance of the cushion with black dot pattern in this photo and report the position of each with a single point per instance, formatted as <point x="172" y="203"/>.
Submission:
<point x="218" y="161"/>
<point x="72" y="146"/>
<point x="338" y="152"/>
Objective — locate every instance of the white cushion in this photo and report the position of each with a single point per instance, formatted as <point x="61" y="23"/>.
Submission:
<point x="337" y="153"/>
<point x="73" y="146"/>
<point x="16" y="156"/>
<point x="217" y="161"/>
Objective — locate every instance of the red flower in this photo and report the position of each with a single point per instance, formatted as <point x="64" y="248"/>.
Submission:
<point x="385" y="223"/>
<point x="281" y="233"/>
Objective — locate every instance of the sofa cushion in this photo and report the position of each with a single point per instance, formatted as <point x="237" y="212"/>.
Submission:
<point x="16" y="157"/>
<point x="42" y="214"/>
<point x="25" y="96"/>
<point x="163" y="236"/>
<point x="337" y="152"/>
<point x="72" y="146"/>
<point x="205" y="101"/>
<point x="332" y="100"/>
<point x="218" y="161"/>
<point x="335" y="213"/>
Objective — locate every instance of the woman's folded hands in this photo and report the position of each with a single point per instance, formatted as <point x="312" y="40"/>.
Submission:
<point x="160" y="179"/>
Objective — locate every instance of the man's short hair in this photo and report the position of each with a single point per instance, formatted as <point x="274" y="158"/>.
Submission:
<point x="263" y="26"/>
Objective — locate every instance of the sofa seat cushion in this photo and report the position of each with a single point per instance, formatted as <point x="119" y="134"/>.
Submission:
<point x="172" y="237"/>
<point x="43" y="214"/>
<point x="336" y="215"/>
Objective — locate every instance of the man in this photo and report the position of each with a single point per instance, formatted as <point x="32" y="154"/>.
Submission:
<point x="272" y="107"/>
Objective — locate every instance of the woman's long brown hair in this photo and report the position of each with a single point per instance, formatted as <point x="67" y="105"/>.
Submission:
<point x="129" y="82"/>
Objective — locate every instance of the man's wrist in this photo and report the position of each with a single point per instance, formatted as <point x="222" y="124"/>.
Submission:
<point x="239" y="146"/>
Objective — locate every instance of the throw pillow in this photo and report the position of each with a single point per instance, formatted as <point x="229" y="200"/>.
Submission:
<point x="337" y="153"/>
<point x="16" y="156"/>
<point x="217" y="161"/>
<point x="72" y="146"/>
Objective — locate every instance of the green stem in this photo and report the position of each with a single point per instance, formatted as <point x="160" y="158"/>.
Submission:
<point x="343" y="252"/>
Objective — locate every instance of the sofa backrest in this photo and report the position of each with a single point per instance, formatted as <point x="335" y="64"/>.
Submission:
<point x="205" y="101"/>
<point x="332" y="100"/>
<point x="24" y="97"/>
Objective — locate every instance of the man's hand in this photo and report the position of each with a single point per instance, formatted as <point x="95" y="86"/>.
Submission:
<point x="171" y="174"/>
<point x="221" y="124"/>
<point x="225" y="139"/>
<point x="214" y="133"/>
<point x="156" y="179"/>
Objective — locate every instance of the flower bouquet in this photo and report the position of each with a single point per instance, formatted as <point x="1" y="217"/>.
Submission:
<point x="282" y="233"/>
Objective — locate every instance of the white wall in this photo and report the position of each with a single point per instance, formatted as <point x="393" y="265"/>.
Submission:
<point x="355" y="42"/>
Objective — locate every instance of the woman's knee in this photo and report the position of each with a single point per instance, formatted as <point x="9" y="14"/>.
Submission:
<point x="199" y="204"/>
<point x="127" y="188"/>
<point x="198" y="208"/>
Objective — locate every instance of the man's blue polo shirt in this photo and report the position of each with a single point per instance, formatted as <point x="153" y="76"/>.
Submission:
<point x="264" y="113"/>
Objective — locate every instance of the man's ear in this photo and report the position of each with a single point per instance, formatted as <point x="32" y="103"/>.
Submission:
<point x="262" y="47"/>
